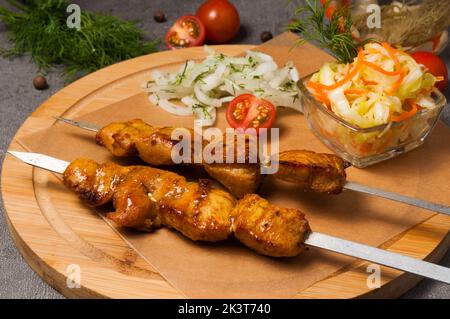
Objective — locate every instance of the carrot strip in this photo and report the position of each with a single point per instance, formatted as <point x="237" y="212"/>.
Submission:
<point x="396" y="85"/>
<point x="355" y="91"/>
<point x="392" y="53"/>
<point x="319" y="94"/>
<point x="315" y="86"/>
<point x="367" y="82"/>
<point x="398" y="67"/>
<point x="380" y="69"/>
<point x="323" y="99"/>
<point x="375" y="51"/>
<point x="349" y="75"/>
<point x="406" y="115"/>
<point x="388" y="47"/>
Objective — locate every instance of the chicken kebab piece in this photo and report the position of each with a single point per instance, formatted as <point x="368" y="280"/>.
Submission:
<point x="147" y="198"/>
<point x="323" y="173"/>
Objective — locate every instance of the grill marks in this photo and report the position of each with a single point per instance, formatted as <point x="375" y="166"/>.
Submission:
<point x="269" y="229"/>
<point x="322" y="173"/>
<point x="146" y="198"/>
<point x="136" y="138"/>
<point x="154" y="146"/>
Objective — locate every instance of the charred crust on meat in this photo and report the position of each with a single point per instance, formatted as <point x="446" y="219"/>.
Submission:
<point x="99" y="139"/>
<point x="92" y="197"/>
<point x="197" y="210"/>
<point x="204" y="186"/>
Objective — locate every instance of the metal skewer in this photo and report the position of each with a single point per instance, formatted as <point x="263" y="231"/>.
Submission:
<point x="84" y="126"/>
<point x="348" y="185"/>
<point x="314" y="239"/>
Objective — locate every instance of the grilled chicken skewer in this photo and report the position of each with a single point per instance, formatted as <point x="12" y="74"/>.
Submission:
<point x="323" y="173"/>
<point x="146" y="198"/>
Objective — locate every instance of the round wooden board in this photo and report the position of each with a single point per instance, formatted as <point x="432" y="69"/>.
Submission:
<point x="53" y="240"/>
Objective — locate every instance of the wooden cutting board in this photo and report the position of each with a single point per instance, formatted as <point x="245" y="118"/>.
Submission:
<point x="56" y="241"/>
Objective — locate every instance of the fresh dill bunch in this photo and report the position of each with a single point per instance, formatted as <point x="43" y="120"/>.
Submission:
<point x="39" y="28"/>
<point x="334" y="35"/>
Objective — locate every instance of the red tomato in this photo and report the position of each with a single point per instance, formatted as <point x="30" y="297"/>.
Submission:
<point x="248" y="111"/>
<point x="221" y="20"/>
<point x="188" y="31"/>
<point x="435" y="65"/>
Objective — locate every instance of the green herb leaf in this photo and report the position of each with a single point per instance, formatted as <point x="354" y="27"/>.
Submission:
<point x="180" y="77"/>
<point x="40" y="30"/>
<point x="201" y="76"/>
<point x="204" y="109"/>
<point x="334" y="35"/>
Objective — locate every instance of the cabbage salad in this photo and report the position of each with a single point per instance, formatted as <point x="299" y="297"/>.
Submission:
<point x="199" y="88"/>
<point x="381" y="86"/>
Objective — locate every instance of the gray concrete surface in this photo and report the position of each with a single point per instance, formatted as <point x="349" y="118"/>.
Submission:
<point x="18" y="99"/>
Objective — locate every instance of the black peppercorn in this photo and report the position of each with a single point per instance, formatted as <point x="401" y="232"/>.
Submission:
<point x="159" y="16"/>
<point x="40" y="82"/>
<point x="266" y="36"/>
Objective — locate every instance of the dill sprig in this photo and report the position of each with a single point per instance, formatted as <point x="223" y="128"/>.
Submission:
<point x="203" y="108"/>
<point x="39" y="28"/>
<point x="334" y="35"/>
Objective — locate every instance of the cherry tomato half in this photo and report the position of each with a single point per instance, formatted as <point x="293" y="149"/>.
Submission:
<point x="221" y="20"/>
<point x="248" y="111"/>
<point x="188" y="31"/>
<point x="435" y="65"/>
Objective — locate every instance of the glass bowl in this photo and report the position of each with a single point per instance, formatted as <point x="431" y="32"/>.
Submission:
<point x="366" y="146"/>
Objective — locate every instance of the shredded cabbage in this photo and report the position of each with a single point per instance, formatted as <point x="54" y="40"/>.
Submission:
<point x="385" y="84"/>
<point x="201" y="87"/>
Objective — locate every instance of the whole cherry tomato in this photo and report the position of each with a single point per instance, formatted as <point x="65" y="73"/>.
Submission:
<point x="435" y="65"/>
<point x="188" y="31"/>
<point x="221" y="20"/>
<point x="248" y="111"/>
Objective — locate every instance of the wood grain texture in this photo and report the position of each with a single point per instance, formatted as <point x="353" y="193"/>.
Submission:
<point x="51" y="233"/>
